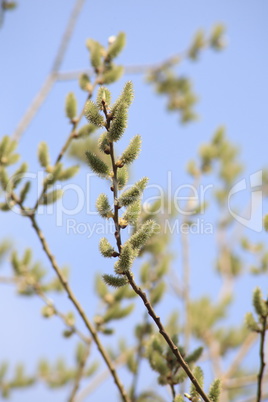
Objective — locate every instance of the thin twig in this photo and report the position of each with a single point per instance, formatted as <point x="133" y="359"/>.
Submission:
<point x="62" y="316"/>
<point x="142" y="295"/>
<point x="262" y="360"/>
<point x="52" y="77"/>
<point x="240" y="382"/>
<point x="39" y="292"/>
<point x="167" y="338"/>
<point x="139" y="352"/>
<point x="67" y="143"/>
<point x="186" y="288"/>
<point x="72" y="297"/>
<point x="100" y="378"/>
<point x="79" y="375"/>
<point x="9" y="280"/>
<point x="56" y="75"/>
<point x="243" y="350"/>
<point x="79" y="308"/>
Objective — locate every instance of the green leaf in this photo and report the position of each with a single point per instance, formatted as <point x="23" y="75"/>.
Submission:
<point x="9" y="5"/>
<point x="194" y="356"/>
<point x="179" y="398"/>
<point x="119" y="123"/>
<point x="7" y="146"/>
<point x="259" y="304"/>
<point x="91" y="111"/>
<point x="125" y="259"/>
<point x="106" y="248"/>
<point x="197" y="45"/>
<point x="116" y="46"/>
<point x="158" y="363"/>
<point x="133" y="212"/>
<point x="216" y="39"/>
<point x="251" y="323"/>
<point x="115" y="281"/>
<point x="139" y="239"/>
<point x="112" y="75"/>
<point x="157" y="292"/>
<point x="3" y="370"/>
<point x="133" y="194"/>
<point x="71" y="106"/>
<point x="97" y="165"/>
<point x="84" y="82"/>
<point x="122" y="177"/>
<point x="43" y="154"/>
<point x="103" y="98"/>
<point x="104" y="144"/>
<point x="68" y="173"/>
<point x="265" y="222"/>
<point x="51" y="197"/>
<point x="81" y="353"/>
<point x="116" y="312"/>
<point x="48" y="311"/>
<point x="11" y="159"/>
<point x="96" y="52"/>
<point x="103" y="206"/>
<point x="132" y="151"/>
<point x="101" y="287"/>
<point x="27" y="257"/>
<point x="125" y="98"/>
<point x="19" y="174"/>
<point x="4" y="179"/>
<point x="198" y="373"/>
<point x="215" y="390"/>
<point x="24" y="191"/>
<point x="86" y="130"/>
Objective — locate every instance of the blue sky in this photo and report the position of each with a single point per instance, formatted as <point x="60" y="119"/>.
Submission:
<point x="232" y="87"/>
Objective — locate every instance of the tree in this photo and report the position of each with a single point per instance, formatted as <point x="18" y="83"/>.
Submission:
<point x="136" y="241"/>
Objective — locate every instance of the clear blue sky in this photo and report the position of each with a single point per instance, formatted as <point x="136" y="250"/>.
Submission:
<point x="232" y="87"/>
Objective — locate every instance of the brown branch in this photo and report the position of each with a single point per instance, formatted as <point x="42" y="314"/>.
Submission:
<point x="143" y="296"/>
<point x="52" y="77"/>
<point x="262" y="357"/>
<point x="167" y="338"/>
<point x="79" y="308"/>
<point x="72" y="297"/>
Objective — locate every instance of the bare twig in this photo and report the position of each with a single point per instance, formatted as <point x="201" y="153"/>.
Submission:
<point x="79" y="308"/>
<point x="262" y="360"/>
<point x="52" y="77"/>
<point x="79" y="375"/>
<point x="139" y="355"/>
<point x="73" y="298"/>
<point x="100" y="378"/>
<point x="39" y="292"/>
<point x="67" y="143"/>
<point x="9" y="280"/>
<point x="240" y="382"/>
<point x="62" y="316"/>
<point x="186" y="288"/>
<point x="243" y="350"/>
